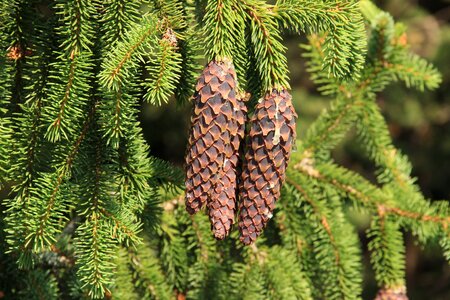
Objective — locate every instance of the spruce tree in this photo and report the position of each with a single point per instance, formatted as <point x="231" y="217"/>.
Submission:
<point x="91" y="214"/>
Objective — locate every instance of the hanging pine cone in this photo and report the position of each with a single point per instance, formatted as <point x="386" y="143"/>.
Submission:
<point x="222" y="204"/>
<point x="211" y="160"/>
<point x="270" y="141"/>
<point x="392" y="294"/>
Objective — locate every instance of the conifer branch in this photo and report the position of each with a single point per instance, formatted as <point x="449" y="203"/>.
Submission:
<point x="124" y="287"/>
<point x="6" y="132"/>
<point x="172" y="12"/>
<point x="268" y="49"/>
<point x="387" y="251"/>
<point x="345" y="39"/>
<point x="40" y="284"/>
<point x="118" y="224"/>
<point x="117" y="106"/>
<point x="148" y="274"/>
<point x="327" y="84"/>
<point x="60" y="115"/>
<point x="38" y="238"/>
<point x="199" y="235"/>
<point x="26" y="157"/>
<point x="135" y="173"/>
<point x="180" y="37"/>
<point x="445" y="221"/>
<point x="286" y="276"/>
<point x="323" y="219"/>
<point x="71" y="73"/>
<point x="96" y="246"/>
<point x="219" y="28"/>
<point x="118" y="18"/>
<point x="332" y="125"/>
<point x="165" y="73"/>
<point x="15" y="28"/>
<point x="311" y="16"/>
<point x="292" y="227"/>
<point x="189" y="67"/>
<point x="415" y="71"/>
<point x="361" y="189"/>
<point x="118" y="64"/>
<point x="330" y="250"/>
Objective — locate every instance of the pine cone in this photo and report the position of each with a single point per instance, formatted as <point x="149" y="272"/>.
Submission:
<point x="222" y="204"/>
<point x="271" y="138"/>
<point x="211" y="160"/>
<point x="392" y="294"/>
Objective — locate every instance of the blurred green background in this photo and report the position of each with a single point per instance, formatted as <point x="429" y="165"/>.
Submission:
<point x="419" y="123"/>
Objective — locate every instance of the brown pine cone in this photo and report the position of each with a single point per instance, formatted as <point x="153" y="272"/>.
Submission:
<point x="392" y="294"/>
<point x="215" y="136"/>
<point x="271" y="138"/>
<point x="222" y="204"/>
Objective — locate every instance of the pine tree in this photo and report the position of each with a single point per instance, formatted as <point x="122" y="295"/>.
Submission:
<point x="90" y="214"/>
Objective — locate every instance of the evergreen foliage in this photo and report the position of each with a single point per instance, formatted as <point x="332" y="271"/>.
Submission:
<point x="91" y="215"/>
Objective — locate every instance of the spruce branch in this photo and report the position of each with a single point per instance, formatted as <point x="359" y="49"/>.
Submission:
<point x="164" y="74"/>
<point x="395" y="170"/>
<point x="292" y="228"/>
<point x="268" y="49"/>
<point x="385" y="46"/>
<point x="249" y="280"/>
<point x="120" y="228"/>
<point x="221" y="27"/>
<point x="207" y="272"/>
<point x="332" y="125"/>
<point x="174" y="251"/>
<point x="183" y="38"/>
<point x="17" y="30"/>
<point x="387" y="251"/>
<point x="189" y="67"/>
<point x="95" y="245"/>
<point x="119" y="65"/>
<point x="118" y="18"/>
<point x="445" y="244"/>
<point x="27" y="164"/>
<point x="67" y="100"/>
<point x="148" y="276"/>
<point x="330" y="250"/>
<point x="118" y="106"/>
<point x="345" y="39"/>
<point x="285" y="275"/>
<point x="40" y="284"/>
<point x="345" y="46"/>
<point x="311" y="16"/>
<point x="22" y="120"/>
<point x="137" y="190"/>
<point x="70" y="75"/>
<point x="328" y="85"/>
<point x="173" y="12"/>
<point x="415" y="72"/>
<point x="119" y="88"/>
<point x="41" y="233"/>
<point x="77" y="28"/>
<point x="116" y="112"/>
<point x="6" y="70"/>
<point x="123" y="287"/>
<point x="361" y="190"/>
<point x="25" y="156"/>
<point x="323" y="219"/>
<point x="390" y="55"/>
